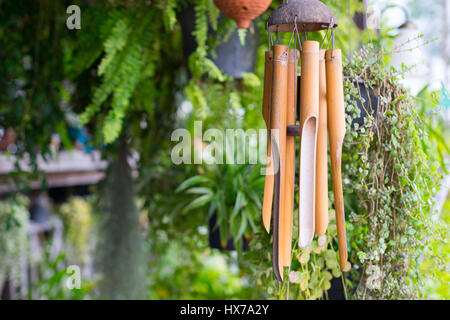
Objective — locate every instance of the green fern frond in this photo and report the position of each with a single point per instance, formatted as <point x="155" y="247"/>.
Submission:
<point x="200" y="32"/>
<point x="235" y="100"/>
<point x="213" y="71"/>
<point x="170" y="16"/>
<point x="226" y="28"/>
<point x="195" y="95"/>
<point x="88" y="46"/>
<point x="121" y="70"/>
<point x="213" y="14"/>
<point x="115" y="43"/>
<point x="249" y="79"/>
<point x="242" y="33"/>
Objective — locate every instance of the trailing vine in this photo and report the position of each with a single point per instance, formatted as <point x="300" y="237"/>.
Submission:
<point x="14" y="220"/>
<point x="77" y="217"/>
<point x="390" y="183"/>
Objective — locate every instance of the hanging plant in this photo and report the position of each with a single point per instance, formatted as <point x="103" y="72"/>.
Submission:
<point x="14" y="220"/>
<point x="230" y="193"/>
<point x="77" y="215"/>
<point x="389" y="183"/>
<point x="390" y="186"/>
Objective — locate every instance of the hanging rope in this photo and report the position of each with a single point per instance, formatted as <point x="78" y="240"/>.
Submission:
<point x="332" y="43"/>
<point x="277" y="41"/>
<point x="305" y="36"/>
<point x="269" y="34"/>
<point x="330" y="26"/>
<point x="293" y="32"/>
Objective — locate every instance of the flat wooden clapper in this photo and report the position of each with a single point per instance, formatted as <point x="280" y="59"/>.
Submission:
<point x="321" y="103"/>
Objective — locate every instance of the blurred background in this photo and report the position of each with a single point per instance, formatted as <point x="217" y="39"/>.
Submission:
<point x="91" y="205"/>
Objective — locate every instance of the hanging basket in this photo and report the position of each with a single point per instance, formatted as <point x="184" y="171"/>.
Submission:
<point x="242" y="11"/>
<point x="367" y="103"/>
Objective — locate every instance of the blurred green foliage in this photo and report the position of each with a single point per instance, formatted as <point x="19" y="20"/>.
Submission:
<point x="14" y="222"/>
<point x="123" y="75"/>
<point x="54" y="277"/>
<point x="435" y="268"/>
<point x="77" y="217"/>
<point x="185" y="269"/>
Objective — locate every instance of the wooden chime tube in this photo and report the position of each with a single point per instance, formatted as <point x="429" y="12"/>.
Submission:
<point x="269" y="178"/>
<point x="294" y="55"/>
<point x="309" y="113"/>
<point x="336" y="131"/>
<point x="278" y="136"/>
<point x="321" y="222"/>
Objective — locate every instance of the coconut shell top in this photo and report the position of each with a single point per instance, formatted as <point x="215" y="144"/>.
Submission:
<point x="242" y="11"/>
<point x="310" y="15"/>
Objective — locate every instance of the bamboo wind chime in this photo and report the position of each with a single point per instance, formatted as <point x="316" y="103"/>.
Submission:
<point x="321" y="104"/>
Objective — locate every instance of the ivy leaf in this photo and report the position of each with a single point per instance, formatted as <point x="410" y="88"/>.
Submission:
<point x="336" y="272"/>
<point x="304" y="257"/>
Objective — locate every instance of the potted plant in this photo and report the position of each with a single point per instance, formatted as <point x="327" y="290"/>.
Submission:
<point x="231" y="196"/>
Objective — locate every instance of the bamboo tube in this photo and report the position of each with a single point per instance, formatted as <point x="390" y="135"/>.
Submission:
<point x="278" y="136"/>
<point x="294" y="55"/>
<point x="309" y="112"/>
<point x="277" y="265"/>
<point x="322" y="154"/>
<point x="269" y="178"/>
<point x="336" y="129"/>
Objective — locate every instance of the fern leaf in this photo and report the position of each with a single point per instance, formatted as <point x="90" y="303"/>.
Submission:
<point x="197" y="98"/>
<point x="115" y="43"/>
<point x="213" y="14"/>
<point x="170" y="17"/>
<point x="242" y="33"/>
<point x="200" y="32"/>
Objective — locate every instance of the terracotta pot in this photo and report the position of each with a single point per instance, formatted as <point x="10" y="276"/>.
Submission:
<point x="242" y="11"/>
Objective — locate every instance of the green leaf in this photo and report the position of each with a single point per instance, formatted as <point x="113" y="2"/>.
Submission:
<point x="242" y="33"/>
<point x="239" y="203"/>
<point x="199" y="190"/>
<point x="191" y="181"/>
<point x="304" y="257"/>
<point x="200" y="201"/>
<point x="250" y="211"/>
<point x="336" y="272"/>
<point x="242" y="226"/>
